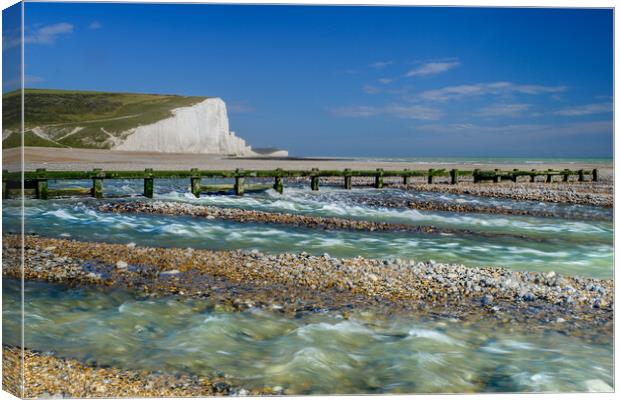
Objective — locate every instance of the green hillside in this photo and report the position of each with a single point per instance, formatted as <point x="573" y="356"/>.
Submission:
<point x="63" y="118"/>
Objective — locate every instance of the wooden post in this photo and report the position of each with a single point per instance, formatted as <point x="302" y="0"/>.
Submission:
<point x="97" y="190"/>
<point x="148" y="183"/>
<point x="454" y="176"/>
<point x="195" y="181"/>
<point x="347" y="178"/>
<point x="5" y="193"/>
<point x="278" y="185"/>
<point x="533" y="176"/>
<point x="497" y="178"/>
<point x="41" y="192"/>
<point x="379" y="178"/>
<point x="239" y="181"/>
<point x="476" y="175"/>
<point x="406" y="177"/>
<point x="581" y="175"/>
<point x="595" y="175"/>
<point x="565" y="175"/>
<point x="430" y="175"/>
<point x="514" y="175"/>
<point x="314" y="181"/>
<point x="549" y="178"/>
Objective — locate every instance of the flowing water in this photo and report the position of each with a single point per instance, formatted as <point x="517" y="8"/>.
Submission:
<point x="323" y="352"/>
<point x="564" y="245"/>
<point x="320" y="353"/>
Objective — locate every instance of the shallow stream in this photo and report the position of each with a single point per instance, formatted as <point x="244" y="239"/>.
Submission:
<point x="319" y="354"/>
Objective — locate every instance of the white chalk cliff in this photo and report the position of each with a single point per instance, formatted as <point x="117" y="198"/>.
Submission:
<point x="201" y="128"/>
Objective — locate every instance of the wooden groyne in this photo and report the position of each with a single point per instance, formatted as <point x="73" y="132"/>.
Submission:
<point x="38" y="180"/>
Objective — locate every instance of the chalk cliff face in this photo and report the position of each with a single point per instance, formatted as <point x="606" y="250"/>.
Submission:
<point x="201" y="128"/>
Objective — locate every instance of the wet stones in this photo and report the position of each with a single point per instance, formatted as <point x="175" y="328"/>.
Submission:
<point x="240" y="215"/>
<point x="169" y="273"/>
<point x="221" y="387"/>
<point x="121" y="264"/>
<point x="486" y="300"/>
<point x="527" y="296"/>
<point x="254" y="216"/>
<point x="50" y="376"/>
<point x="316" y="281"/>
<point x="587" y="193"/>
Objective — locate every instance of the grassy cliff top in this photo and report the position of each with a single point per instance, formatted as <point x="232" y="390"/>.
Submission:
<point x="83" y="119"/>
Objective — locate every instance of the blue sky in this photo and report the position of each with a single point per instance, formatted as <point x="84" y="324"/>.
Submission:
<point x="351" y="81"/>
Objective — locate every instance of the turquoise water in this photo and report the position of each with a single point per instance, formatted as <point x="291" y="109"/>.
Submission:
<point x="334" y="201"/>
<point x="564" y="245"/>
<point x="491" y="160"/>
<point x="322" y="353"/>
<point x="319" y="354"/>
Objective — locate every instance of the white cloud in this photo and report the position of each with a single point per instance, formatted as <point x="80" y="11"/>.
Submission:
<point x="32" y="79"/>
<point x="586" y="109"/>
<point x="433" y="68"/>
<point x="381" y="64"/>
<point x="501" y="110"/>
<point x="47" y="34"/>
<point x="479" y="89"/>
<point x="240" y="107"/>
<point x="523" y="131"/>
<point x="11" y="38"/>
<point x="371" y="89"/>
<point x="95" y="25"/>
<point x="396" y="110"/>
<point x="14" y="84"/>
<point x="385" y="81"/>
<point x="356" y="111"/>
<point x="414" y="112"/>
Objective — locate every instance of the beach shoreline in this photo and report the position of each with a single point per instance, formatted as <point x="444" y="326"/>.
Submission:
<point x="64" y="159"/>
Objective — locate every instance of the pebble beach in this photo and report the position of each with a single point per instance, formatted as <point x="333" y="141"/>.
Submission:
<point x="255" y="276"/>
<point x="48" y="376"/>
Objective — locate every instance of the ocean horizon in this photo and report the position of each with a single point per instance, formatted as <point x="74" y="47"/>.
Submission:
<point x="474" y="160"/>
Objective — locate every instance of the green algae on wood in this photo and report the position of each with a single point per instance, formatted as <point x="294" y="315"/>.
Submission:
<point x="314" y="180"/>
<point x="148" y="183"/>
<point x="379" y="178"/>
<point x="195" y="182"/>
<point x="42" y="187"/>
<point x="239" y="182"/>
<point x="37" y="180"/>
<point x="98" y="183"/>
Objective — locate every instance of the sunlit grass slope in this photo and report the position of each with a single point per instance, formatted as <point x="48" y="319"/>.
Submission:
<point x="82" y="119"/>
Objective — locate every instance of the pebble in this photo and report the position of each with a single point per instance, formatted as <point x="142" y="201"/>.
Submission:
<point x="94" y="276"/>
<point x="171" y="272"/>
<point x="528" y="297"/>
<point x="486" y="299"/>
<point x="121" y="264"/>
<point x="221" y="387"/>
